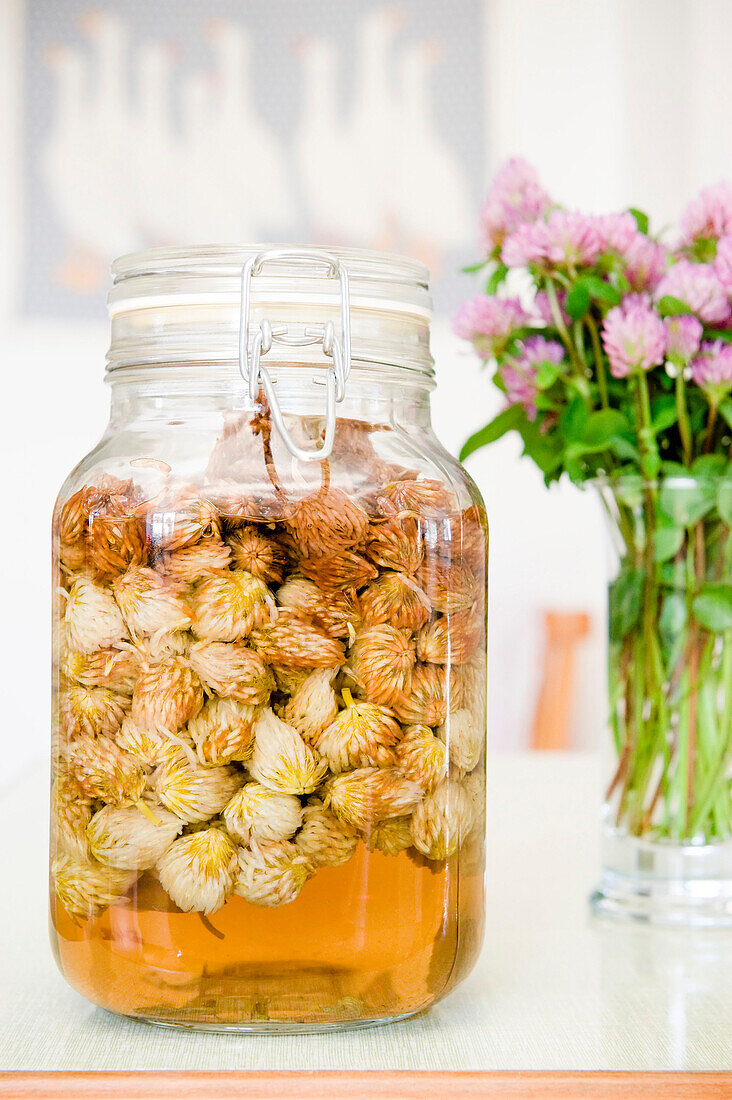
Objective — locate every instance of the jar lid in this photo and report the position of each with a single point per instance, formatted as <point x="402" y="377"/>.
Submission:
<point x="176" y="305"/>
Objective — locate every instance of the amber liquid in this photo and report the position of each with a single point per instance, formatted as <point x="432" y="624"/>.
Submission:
<point x="377" y="938"/>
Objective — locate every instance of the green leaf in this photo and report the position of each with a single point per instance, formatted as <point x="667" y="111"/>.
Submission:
<point x="496" y="278"/>
<point x="713" y="607"/>
<point x="470" y="269"/>
<point x="724" y="501"/>
<point x="663" y="412"/>
<point x="624" y="449"/>
<point x="547" y="374"/>
<point x="672" y="307"/>
<point x="672" y="622"/>
<point x="506" y="420"/>
<point x="543" y="449"/>
<point x="668" y="539"/>
<point x="725" y="409"/>
<point x="686" y="502"/>
<point x="641" y="219"/>
<point x="600" y="290"/>
<point x="625" y="596"/>
<point x="601" y="427"/>
<point x="573" y="419"/>
<point x="578" y="301"/>
<point x="708" y="466"/>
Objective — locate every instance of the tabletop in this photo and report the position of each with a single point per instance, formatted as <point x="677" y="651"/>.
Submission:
<point x="554" y="989"/>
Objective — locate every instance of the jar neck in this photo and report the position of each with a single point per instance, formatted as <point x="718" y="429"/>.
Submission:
<point x="174" y="397"/>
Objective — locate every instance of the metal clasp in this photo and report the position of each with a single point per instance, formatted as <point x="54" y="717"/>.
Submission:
<point x="336" y="347"/>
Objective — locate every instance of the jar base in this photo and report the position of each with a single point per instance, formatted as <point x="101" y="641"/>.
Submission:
<point x="272" y="1027"/>
<point x="665" y="884"/>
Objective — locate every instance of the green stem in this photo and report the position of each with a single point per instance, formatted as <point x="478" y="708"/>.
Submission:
<point x="650" y="459"/>
<point x="683" y="414"/>
<point x="564" y="334"/>
<point x="599" y="361"/>
<point x="718" y="774"/>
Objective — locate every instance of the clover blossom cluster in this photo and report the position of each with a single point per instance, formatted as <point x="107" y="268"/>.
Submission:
<point x="616" y="323"/>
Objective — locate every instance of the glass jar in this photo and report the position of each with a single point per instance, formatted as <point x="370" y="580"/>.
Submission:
<point x="667" y="831"/>
<point x="269" y="672"/>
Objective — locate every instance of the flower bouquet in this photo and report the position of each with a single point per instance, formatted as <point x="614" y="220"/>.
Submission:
<point x="614" y="352"/>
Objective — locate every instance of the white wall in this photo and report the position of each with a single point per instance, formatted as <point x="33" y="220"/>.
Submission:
<point x="616" y="101"/>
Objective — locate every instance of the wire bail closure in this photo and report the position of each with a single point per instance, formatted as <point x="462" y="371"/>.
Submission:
<point x="336" y="346"/>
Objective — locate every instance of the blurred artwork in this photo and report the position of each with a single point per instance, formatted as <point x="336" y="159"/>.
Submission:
<point x="196" y="121"/>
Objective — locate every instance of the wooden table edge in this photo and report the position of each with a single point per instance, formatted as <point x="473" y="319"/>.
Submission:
<point x="332" y="1085"/>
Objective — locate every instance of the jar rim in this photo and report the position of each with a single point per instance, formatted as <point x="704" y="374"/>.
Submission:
<point x="228" y="259"/>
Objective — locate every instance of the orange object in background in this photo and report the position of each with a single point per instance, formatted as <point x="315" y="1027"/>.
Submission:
<point x="563" y="632"/>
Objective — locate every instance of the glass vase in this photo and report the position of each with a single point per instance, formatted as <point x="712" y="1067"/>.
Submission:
<point x="667" y="820"/>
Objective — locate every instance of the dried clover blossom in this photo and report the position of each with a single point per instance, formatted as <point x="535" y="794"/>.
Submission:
<point x="98" y="530"/>
<point x="293" y="642"/>
<point x="233" y="671"/>
<point x="451" y="638"/>
<point x="366" y="796"/>
<point x="159" y="647"/>
<point x="281" y="760"/>
<point x="83" y="886"/>
<point x="261" y="556"/>
<point x="271" y="873"/>
<point x="422" y="757"/>
<point x="198" y="871"/>
<point x="313" y="704"/>
<point x="473" y="678"/>
<point x="464" y="739"/>
<point x="148" y="604"/>
<point x="424" y="497"/>
<point x="174" y="521"/>
<point x="167" y="695"/>
<point x="102" y="770"/>
<point x="90" y="710"/>
<point x="132" y="838"/>
<point x="258" y="813"/>
<point x="92" y="618"/>
<point x="442" y="820"/>
<point x="396" y="599"/>
<point x="346" y="569"/>
<point x="325" y="523"/>
<point x="193" y="792"/>
<point x="362" y="735"/>
<point x="70" y="815"/>
<point x="337" y="613"/>
<point x="223" y="731"/>
<point x="116" y="669"/>
<point x="289" y="680"/>
<point x="474" y="787"/>
<point x="238" y="508"/>
<point x="299" y="594"/>
<point x="395" y="543"/>
<point x="434" y="691"/>
<point x="112" y="545"/>
<point x="226" y="606"/>
<point x="324" y="840"/>
<point x="449" y="587"/>
<point x="194" y="562"/>
<point x="149" y="747"/>
<point x="471" y="535"/>
<point x="381" y="661"/>
<point x="392" y="836"/>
